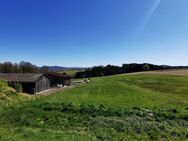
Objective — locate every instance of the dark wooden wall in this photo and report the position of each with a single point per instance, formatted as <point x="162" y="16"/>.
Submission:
<point x="28" y="87"/>
<point x="42" y="84"/>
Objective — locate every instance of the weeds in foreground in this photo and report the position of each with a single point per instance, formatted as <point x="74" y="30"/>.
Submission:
<point x="102" y="122"/>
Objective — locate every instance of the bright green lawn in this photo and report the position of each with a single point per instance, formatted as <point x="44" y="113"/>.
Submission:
<point x="128" y="91"/>
<point x="123" y="107"/>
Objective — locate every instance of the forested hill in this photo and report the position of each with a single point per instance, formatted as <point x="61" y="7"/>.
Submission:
<point x="125" y="68"/>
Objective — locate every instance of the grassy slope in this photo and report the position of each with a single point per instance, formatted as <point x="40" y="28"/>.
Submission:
<point x="71" y="72"/>
<point x="143" y="106"/>
<point x="8" y="96"/>
<point x="129" y="91"/>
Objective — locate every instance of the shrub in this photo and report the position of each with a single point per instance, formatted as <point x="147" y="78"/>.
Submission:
<point x="3" y="86"/>
<point x="153" y="135"/>
<point x="5" y="90"/>
<point x="17" y="87"/>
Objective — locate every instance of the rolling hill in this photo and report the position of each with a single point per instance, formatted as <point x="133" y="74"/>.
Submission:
<point x="122" y="107"/>
<point x="59" y="68"/>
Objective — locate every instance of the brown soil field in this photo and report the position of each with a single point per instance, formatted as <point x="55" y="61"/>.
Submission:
<point x="171" y="72"/>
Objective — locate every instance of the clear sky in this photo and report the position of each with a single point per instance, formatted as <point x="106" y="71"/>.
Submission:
<point x="94" y="32"/>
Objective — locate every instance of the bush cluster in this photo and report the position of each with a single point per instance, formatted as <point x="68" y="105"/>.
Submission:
<point x="17" y="87"/>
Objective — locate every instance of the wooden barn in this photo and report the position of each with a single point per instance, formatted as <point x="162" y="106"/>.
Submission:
<point x="33" y="83"/>
<point x="58" y="79"/>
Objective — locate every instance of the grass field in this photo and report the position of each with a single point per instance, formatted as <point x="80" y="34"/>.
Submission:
<point x="71" y="72"/>
<point x="122" y="107"/>
<point x="180" y="72"/>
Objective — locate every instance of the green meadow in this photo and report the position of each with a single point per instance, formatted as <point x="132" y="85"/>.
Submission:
<point x="122" y="107"/>
<point x="71" y="72"/>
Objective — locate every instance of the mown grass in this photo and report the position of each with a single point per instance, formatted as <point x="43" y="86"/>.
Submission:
<point x="123" y="107"/>
<point x="71" y="72"/>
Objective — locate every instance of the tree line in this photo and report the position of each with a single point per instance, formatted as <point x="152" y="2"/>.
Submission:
<point x="125" y="68"/>
<point x="27" y="67"/>
<point x="22" y="67"/>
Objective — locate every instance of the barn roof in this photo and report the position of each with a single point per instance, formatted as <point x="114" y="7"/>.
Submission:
<point x="57" y="75"/>
<point x="20" y="77"/>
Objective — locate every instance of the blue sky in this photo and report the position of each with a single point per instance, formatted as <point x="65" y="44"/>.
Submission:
<point x="94" y="32"/>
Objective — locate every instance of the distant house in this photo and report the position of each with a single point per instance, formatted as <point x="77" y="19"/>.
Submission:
<point x="33" y="83"/>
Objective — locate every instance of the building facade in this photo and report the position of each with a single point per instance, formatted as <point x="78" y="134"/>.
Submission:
<point x="34" y="83"/>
